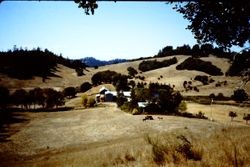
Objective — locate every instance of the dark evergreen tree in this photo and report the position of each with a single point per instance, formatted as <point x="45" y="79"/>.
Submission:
<point x="4" y="97"/>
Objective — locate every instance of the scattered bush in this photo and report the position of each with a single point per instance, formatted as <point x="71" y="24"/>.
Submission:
<point x="135" y="111"/>
<point x="186" y="149"/>
<point x="196" y="89"/>
<point x="202" y="78"/>
<point x="84" y="100"/>
<point x="88" y="101"/>
<point x="232" y="115"/>
<point x="201" y="115"/>
<point x="246" y="117"/>
<point x="183" y="106"/>
<point x="91" y="102"/>
<point x="141" y="77"/>
<point x="127" y="107"/>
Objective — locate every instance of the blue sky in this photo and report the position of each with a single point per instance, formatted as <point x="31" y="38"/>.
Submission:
<point x="117" y="30"/>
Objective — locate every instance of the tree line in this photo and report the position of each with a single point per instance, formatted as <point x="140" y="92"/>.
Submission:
<point x="154" y="64"/>
<point x="24" y="64"/>
<point x="37" y="97"/>
<point x="196" y="50"/>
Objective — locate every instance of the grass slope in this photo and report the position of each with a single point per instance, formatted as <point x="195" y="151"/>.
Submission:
<point x="67" y="77"/>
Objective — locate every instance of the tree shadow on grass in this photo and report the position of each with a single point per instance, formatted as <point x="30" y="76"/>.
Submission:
<point x="59" y="109"/>
<point x="6" y="120"/>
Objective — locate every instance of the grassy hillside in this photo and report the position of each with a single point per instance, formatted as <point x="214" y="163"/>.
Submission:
<point x="67" y="77"/>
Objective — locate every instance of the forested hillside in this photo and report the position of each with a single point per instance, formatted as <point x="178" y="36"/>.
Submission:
<point x="25" y="64"/>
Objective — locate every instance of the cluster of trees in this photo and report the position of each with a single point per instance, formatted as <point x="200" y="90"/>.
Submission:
<point x="205" y="80"/>
<point x="85" y="86"/>
<point x="240" y="63"/>
<point x="240" y="95"/>
<point x="199" y="65"/>
<point x="202" y="50"/>
<point x="39" y="98"/>
<point x="45" y="98"/>
<point x="233" y="114"/>
<point x="118" y="80"/>
<point x="131" y="71"/>
<point x="187" y="85"/>
<point x="24" y="64"/>
<point x="161" y="99"/>
<point x="154" y="64"/>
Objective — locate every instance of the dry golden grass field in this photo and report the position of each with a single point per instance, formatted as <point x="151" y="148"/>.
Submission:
<point x="106" y="136"/>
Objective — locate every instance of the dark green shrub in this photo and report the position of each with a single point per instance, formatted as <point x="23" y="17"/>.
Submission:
<point x="220" y="96"/>
<point x="240" y="95"/>
<point x="201" y="115"/>
<point x="131" y="71"/>
<point x="232" y="115"/>
<point x="202" y="78"/>
<point x="88" y="101"/>
<point x="183" y="106"/>
<point x="246" y="117"/>
<point x="69" y="92"/>
<point x="79" y="72"/>
<point x="91" y="102"/>
<point x="85" y="86"/>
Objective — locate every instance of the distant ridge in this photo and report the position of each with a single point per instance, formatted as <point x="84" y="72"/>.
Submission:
<point x="92" y="62"/>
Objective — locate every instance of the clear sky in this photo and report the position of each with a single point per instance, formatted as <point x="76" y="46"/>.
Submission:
<point x="117" y="30"/>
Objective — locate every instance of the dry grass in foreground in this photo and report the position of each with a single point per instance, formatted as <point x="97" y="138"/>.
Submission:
<point x="226" y="147"/>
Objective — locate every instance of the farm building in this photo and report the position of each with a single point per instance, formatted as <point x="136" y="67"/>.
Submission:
<point x="105" y="95"/>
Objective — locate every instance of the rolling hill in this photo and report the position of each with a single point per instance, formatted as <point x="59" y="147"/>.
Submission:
<point x="66" y="76"/>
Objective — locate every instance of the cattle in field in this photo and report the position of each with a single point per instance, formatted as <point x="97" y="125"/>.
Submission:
<point x="148" y="117"/>
<point x="160" y="118"/>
